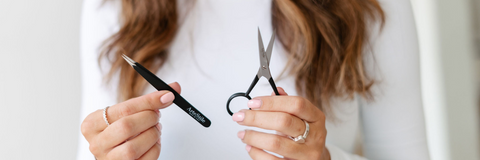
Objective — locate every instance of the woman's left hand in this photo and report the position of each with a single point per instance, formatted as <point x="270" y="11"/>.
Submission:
<point x="284" y="114"/>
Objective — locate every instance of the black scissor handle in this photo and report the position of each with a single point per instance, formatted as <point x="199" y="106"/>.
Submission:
<point x="239" y="94"/>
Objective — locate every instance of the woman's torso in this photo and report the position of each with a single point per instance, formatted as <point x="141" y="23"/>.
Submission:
<point x="214" y="55"/>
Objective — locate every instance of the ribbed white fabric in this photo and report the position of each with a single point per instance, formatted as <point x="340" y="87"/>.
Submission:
<point x="215" y="54"/>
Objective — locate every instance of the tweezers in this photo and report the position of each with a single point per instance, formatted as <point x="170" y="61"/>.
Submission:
<point x="160" y="85"/>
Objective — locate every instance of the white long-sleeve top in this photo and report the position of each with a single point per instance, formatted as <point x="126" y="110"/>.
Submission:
<point x="215" y="54"/>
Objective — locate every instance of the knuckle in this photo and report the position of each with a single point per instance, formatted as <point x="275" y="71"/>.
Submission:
<point x="148" y="101"/>
<point x="275" y="143"/>
<point x="284" y="121"/>
<point x="126" y="109"/>
<point x="152" y="116"/>
<point x="125" y="126"/>
<point x="298" y="104"/>
<point x="322" y="116"/>
<point x="94" y="148"/>
<point x="87" y="124"/>
<point x="315" y="155"/>
<point x="129" y="152"/>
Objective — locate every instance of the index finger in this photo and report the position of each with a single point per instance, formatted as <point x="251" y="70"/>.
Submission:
<point x="295" y="105"/>
<point x="146" y="102"/>
<point x="94" y="122"/>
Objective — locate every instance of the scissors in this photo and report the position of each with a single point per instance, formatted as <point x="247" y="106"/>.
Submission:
<point x="263" y="71"/>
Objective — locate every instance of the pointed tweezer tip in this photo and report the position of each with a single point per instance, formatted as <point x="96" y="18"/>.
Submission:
<point x="129" y="60"/>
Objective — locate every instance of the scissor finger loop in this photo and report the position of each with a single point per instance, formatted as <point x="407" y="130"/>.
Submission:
<point x="240" y="94"/>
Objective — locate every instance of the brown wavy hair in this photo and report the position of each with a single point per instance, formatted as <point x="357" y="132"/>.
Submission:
<point x="325" y="40"/>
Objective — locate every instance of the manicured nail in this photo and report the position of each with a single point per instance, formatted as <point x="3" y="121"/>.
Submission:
<point x="254" y="103"/>
<point x="159" y="126"/>
<point x="239" y="116"/>
<point x="241" y="134"/>
<point x="158" y="112"/>
<point x="167" y="98"/>
<point x="248" y="148"/>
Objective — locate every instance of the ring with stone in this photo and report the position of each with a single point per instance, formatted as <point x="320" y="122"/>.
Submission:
<point x="301" y="138"/>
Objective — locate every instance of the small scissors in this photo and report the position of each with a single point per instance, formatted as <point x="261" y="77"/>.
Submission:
<point x="263" y="71"/>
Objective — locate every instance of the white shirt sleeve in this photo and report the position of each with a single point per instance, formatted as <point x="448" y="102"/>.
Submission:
<point x="98" y="22"/>
<point x="393" y="123"/>
<point x="339" y="154"/>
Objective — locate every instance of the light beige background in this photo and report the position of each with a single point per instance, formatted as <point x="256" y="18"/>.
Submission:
<point x="40" y="79"/>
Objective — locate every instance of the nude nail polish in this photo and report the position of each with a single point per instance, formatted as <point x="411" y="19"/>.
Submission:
<point x="248" y="148"/>
<point x="254" y="103"/>
<point x="167" y="98"/>
<point x="241" y="134"/>
<point x="159" y="126"/>
<point x="158" y="112"/>
<point x="238" y="117"/>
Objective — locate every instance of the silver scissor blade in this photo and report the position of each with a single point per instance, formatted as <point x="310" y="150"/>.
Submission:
<point x="264" y="73"/>
<point x="260" y="45"/>
<point x="270" y="47"/>
<point x="129" y="60"/>
<point x="264" y="69"/>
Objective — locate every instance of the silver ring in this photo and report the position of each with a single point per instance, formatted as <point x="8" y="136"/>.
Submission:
<point x="301" y="138"/>
<point x="105" y="115"/>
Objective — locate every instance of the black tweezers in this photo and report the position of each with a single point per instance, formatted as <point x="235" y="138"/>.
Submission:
<point x="160" y="85"/>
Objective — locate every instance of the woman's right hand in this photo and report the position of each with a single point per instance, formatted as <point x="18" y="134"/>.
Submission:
<point x="134" y="131"/>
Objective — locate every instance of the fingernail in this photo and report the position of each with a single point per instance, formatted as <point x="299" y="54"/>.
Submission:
<point x="254" y="103"/>
<point x="159" y="126"/>
<point x="239" y="116"/>
<point x="158" y="112"/>
<point x="241" y="134"/>
<point x="167" y="98"/>
<point x="248" y="148"/>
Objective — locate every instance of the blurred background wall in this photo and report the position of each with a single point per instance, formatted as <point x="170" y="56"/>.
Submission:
<point x="446" y="31"/>
<point x="40" y="79"/>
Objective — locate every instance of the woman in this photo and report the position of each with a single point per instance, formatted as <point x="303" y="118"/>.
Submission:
<point x="350" y="78"/>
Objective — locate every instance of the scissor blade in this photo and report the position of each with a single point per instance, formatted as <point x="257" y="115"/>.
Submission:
<point x="270" y="47"/>
<point x="261" y="48"/>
